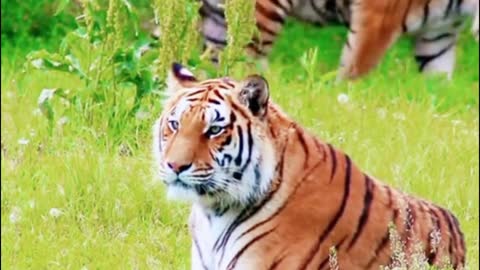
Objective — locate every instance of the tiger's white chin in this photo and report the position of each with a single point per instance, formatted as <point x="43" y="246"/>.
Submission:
<point x="179" y="193"/>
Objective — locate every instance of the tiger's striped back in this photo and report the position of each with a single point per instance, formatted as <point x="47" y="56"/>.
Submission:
<point x="267" y="194"/>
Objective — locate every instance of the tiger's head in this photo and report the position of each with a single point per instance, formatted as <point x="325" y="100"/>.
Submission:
<point x="211" y="144"/>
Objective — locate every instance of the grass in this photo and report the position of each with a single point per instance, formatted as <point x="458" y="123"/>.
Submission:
<point x="73" y="200"/>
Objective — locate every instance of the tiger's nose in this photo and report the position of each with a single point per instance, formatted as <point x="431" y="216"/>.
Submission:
<point x="178" y="168"/>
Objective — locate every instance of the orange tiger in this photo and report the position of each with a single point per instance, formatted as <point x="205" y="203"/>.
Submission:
<point x="374" y="25"/>
<point x="267" y="194"/>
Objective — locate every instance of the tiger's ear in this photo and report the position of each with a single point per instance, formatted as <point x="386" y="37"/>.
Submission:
<point x="255" y="94"/>
<point x="179" y="77"/>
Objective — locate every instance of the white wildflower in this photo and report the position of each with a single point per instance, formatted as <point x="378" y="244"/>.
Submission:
<point x="45" y="95"/>
<point x="15" y="215"/>
<point x="456" y="122"/>
<point x="122" y="235"/>
<point x="55" y="212"/>
<point x="37" y="63"/>
<point x="382" y="113"/>
<point x="141" y="115"/>
<point x="23" y="141"/>
<point x="37" y="112"/>
<point x="61" y="190"/>
<point x="31" y="203"/>
<point x="332" y="259"/>
<point x="399" y="116"/>
<point x="62" y="121"/>
<point x="342" y="98"/>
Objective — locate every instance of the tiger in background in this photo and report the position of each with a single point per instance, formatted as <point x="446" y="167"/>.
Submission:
<point x="267" y="194"/>
<point x="373" y="26"/>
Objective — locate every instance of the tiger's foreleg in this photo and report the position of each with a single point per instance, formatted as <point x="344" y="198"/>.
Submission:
<point x="374" y="28"/>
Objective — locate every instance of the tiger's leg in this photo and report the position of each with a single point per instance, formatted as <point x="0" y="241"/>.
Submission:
<point x="375" y="25"/>
<point x="435" y="52"/>
<point x="363" y="51"/>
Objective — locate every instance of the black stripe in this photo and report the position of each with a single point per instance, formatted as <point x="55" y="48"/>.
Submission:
<point x="367" y="201"/>
<point x="437" y="38"/>
<point x="347" y="43"/>
<point x="459" y="5"/>
<point x="423" y="60"/>
<point x="460" y="234"/>
<point x="303" y="143"/>
<point x="272" y="15"/>
<point x="233" y="118"/>
<point x="280" y="6"/>
<point x="277" y="263"/>
<point x="317" y="9"/>
<point x="432" y="254"/>
<point x="331" y="5"/>
<point x="345" y="11"/>
<point x="234" y="260"/>
<point x="216" y="40"/>
<point x="437" y="217"/>
<point x="207" y="14"/>
<point x="239" y="110"/>
<point x="389" y="195"/>
<point x="250" y="147"/>
<point x="227" y="141"/>
<point x="334" y="161"/>
<point x="383" y="243"/>
<point x="336" y="218"/>
<point x="238" y="159"/>
<point x="337" y="248"/>
<point x="449" y="8"/>
<point x="214" y="101"/>
<point x="196" y="92"/>
<point x="426" y="13"/>
<point x="215" y="91"/>
<point x="256" y="49"/>
<point x="264" y="28"/>
<point x="411" y="218"/>
<point x="447" y="217"/>
<point x="218" y="11"/>
<point x="350" y="30"/>
<point x="262" y="42"/>
<point x="199" y="253"/>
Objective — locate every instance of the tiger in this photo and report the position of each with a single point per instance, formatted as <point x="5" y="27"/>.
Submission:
<point x="265" y="193"/>
<point x="373" y="26"/>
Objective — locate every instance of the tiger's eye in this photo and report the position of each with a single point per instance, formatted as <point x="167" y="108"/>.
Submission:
<point x="173" y="125"/>
<point x="214" y="130"/>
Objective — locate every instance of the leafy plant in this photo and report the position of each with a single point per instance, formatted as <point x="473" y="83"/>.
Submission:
<point x="102" y="55"/>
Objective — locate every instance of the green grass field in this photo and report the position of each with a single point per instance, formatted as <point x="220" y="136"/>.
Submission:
<point x="75" y="200"/>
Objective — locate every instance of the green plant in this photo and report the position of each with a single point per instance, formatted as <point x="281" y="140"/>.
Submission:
<point x="178" y="21"/>
<point x="102" y="55"/>
<point x="240" y="18"/>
